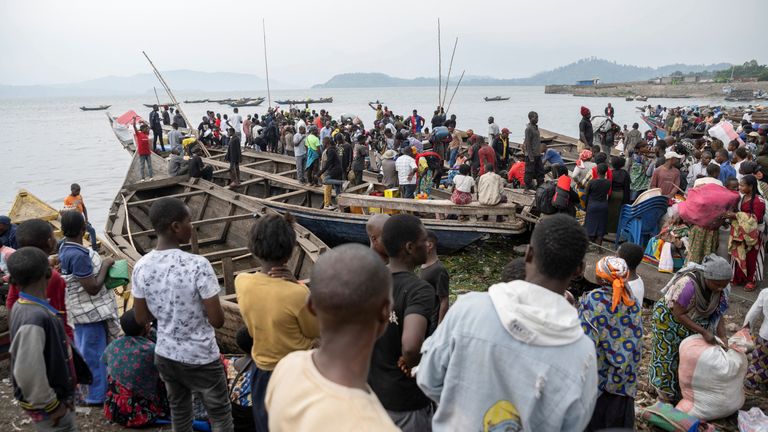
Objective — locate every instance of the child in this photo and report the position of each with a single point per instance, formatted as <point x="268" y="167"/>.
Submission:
<point x="39" y="233"/>
<point x="135" y="394"/>
<point x="632" y="254"/>
<point x="596" y="200"/>
<point x="326" y="388"/>
<point x="181" y="291"/>
<point x="239" y="371"/>
<point x="273" y="309"/>
<point x="463" y="186"/>
<point x="434" y="272"/>
<point x="91" y="307"/>
<point x="142" y="148"/>
<point x="757" y="373"/>
<point x="74" y="201"/>
<point x="40" y="355"/>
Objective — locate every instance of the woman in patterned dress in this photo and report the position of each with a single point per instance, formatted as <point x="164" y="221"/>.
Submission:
<point x="694" y="302"/>
<point x="135" y="394"/>
<point x="757" y="372"/>
<point x="610" y="316"/>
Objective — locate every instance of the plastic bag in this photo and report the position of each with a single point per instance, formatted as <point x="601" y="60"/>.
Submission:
<point x="753" y="420"/>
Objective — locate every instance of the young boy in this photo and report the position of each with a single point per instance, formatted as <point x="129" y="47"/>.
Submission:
<point x="434" y="272"/>
<point x="40" y="355"/>
<point x="312" y="390"/>
<point x="181" y="291"/>
<point x="39" y="233"/>
<point x="74" y="201"/>
<point x="632" y="254"/>
<point x="142" y="148"/>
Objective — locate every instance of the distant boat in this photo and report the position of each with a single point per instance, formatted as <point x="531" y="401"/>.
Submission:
<point x="305" y="101"/>
<point x="378" y="102"/>
<point x="641" y="98"/>
<point x="98" y="108"/>
<point x="159" y="105"/>
<point x="196" y="101"/>
<point x="495" y="99"/>
<point x="629" y="98"/>
<point x="247" y="103"/>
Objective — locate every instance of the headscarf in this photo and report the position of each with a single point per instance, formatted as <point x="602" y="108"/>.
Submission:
<point x="585" y="155"/>
<point x="705" y="304"/>
<point x="613" y="270"/>
<point x="585" y="111"/>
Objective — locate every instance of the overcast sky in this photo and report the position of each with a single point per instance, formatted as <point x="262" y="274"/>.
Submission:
<point x="46" y="41"/>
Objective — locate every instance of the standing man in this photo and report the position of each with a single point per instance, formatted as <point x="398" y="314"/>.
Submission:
<point x="175" y="137"/>
<point x="501" y="147"/>
<point x="493" y="130"/>
<point x="586" y="133"/>
<point x="412" y="318"/>
<point x="406" y="172"/>
<point x="236" y="122"/>
<point x="179" y="119"/>
<point x="415" y="122"/>
<point x="555" y="387"/>
<point x="534" y="168"/>
<point x="609" y="111"/>
<point x="247" y="125"/>
<point x="300" y="153"/>
<point x="166" y="116"/>
<point x="631" y="139"/>
<point x="74" y="201"/>
<point x="234" y="156"/>
<point x="142" y="148"/>
<point x="157" y="129"/>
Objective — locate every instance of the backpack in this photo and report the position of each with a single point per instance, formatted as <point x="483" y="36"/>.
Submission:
<point x="544" y="198"/>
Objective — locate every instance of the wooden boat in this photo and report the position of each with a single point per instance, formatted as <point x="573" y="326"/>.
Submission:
<point x="654" y="124"/>
<point x="98" y="108"/>
<point x="629" y="98"/>
<point x="247" y="103"/>
<point x="221" y="222"/>
<point x="495" y="99"/>
<point x="270" y="180"/>
<point x="159" y="104"/>
<point x="641" y="98"/>
<point x="305" y="101"/>
<point x="195" y="101"/>
<point x="377" y="102"/>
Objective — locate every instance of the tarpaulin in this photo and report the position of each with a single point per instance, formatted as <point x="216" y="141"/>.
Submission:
<point x="127" y="118"/>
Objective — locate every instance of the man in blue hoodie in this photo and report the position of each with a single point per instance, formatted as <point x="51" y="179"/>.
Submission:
<point x="516" y="358"/>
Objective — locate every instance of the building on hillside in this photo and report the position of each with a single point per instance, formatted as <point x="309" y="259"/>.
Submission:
<point x="592" y="82"/>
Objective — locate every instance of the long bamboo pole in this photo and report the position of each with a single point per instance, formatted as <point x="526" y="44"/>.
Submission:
<point x="450" y="67"/>
<point x="439" y="66"/>
<point x="156" y="96"/>
<point x="266" y="66"/>
<point x="454" y="91"/>
<point x="174" y="101"/>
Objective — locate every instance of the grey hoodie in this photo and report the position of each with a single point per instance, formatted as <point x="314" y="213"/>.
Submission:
<point x="514" y="358"/>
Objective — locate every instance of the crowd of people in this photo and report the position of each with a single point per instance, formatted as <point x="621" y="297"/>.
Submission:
<point x="378" y="346"/>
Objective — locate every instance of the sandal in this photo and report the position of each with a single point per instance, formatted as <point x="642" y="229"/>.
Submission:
<point x="749" y="287"/>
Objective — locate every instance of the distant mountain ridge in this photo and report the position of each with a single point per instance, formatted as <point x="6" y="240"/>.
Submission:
<point x="179" y="80"/>
<point x="607" y="71"/>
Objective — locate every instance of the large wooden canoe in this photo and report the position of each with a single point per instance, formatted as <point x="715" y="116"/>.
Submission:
<point x="270" y="180"/>
<point x="221" y="221"/>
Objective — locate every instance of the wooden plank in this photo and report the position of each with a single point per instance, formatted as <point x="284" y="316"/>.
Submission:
<point x="178" y="195"/>
<point x="286" y="195"/>
<point x="254" y="165"/>
<point x="425" y="206"/>
<point x="228" y="271"/>
<point x="193" y="241"/>
<point x="219" y="219"/>
<point x="219" y="255"/>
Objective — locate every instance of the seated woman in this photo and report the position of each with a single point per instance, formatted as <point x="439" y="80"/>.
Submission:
<point x="463" y="186"/>
<point x="135" y="394"/>
<point x="239" y="376"/>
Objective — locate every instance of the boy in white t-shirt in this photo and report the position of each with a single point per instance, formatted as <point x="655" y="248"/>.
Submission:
<point x="181" y="291"/>
<point x="633" y="255"/>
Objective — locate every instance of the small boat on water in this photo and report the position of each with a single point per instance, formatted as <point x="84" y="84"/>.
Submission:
<point x="495" y="99"/>
<point x="98" y="108"/>
<point x="247" y="102"/>
<point x="641" y="98"/>
<point x="195" y="101"/>
<point x="270" y="180"/>
<point x="629" y="98"/>
<point x="305" y="101"/>
<point x="159" y="105"/>
<point x="221" y="222"/>
<point x="378" y="102"/>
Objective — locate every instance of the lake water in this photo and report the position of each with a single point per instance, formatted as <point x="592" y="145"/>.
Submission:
<point x="49" y="143"/>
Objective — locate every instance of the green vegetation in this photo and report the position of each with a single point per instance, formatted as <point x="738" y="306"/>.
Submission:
<point x="479" y="266"/>
<point x="750" y="69"/>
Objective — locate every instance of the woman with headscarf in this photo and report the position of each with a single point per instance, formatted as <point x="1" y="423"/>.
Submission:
<point x="610" y="316"/>
<point x="746" y="243"/>
<point x="582" y="173"/>
<point x="694" y="301"/>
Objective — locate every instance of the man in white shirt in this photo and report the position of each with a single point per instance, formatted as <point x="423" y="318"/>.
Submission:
<point x="699" y="169"/>
<point x="236" y="121"/>
<point x="325" y="131"/>
<point x="493" y="130"/>
<point x="713" y="172"/>
<point x="406" y="173"/>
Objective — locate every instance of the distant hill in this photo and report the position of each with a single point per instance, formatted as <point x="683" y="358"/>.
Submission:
<point x="607" y="71"/>
<point x="179" y="80"/>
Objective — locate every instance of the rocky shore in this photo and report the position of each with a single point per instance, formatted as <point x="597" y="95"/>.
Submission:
<point x="684" y="90"/>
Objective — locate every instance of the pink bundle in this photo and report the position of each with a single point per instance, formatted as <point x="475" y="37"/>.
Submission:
<point x="706" y="203"/>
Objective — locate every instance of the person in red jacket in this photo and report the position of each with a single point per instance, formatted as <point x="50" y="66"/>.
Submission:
<point x="39" y="233"/>
<point x="486" y="156"/>
<point x="517" y="174"/>
<point x="142" y="148"/>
